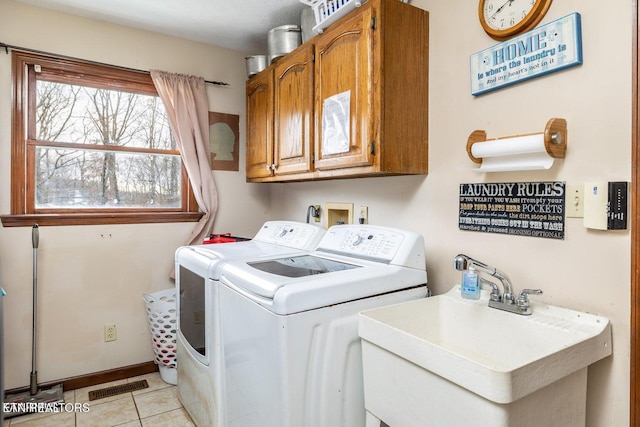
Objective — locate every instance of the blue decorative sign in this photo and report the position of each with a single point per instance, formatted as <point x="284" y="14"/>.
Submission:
<point x="548" y="48"/>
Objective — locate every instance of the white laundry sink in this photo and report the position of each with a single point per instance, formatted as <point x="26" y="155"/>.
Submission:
<point x="500" y="356"/>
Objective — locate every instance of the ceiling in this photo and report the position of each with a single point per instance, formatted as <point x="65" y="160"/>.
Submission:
<point x="235" y="24"/>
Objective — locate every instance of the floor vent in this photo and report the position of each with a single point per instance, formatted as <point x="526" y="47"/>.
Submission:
<point x="118" y="389"/>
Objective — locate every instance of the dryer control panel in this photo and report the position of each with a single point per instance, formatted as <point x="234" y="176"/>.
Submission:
<point x="292" y="234"/>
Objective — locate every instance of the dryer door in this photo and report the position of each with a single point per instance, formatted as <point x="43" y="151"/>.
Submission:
<point x="192" y="309"/>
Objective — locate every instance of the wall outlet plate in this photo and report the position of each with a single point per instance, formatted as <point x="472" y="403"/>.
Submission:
<point x="363" y="215"/>
<point x="110" y="332"/>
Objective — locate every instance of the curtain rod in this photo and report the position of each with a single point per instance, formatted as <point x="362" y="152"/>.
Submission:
<point x="6" y="48"/>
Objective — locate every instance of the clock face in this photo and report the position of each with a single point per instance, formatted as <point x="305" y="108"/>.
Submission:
<point x="504" y="18"/>
<point x="504" y="14"/>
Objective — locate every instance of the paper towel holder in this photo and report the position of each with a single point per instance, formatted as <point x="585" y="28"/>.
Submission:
<point x="554" y="136"/>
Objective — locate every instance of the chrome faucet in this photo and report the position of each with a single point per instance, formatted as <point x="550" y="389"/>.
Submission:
<point x="505" y="300"/>
<point x="463" y="262"/>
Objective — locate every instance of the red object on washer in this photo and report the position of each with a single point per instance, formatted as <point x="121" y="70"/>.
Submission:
<point x="223" y="238"/>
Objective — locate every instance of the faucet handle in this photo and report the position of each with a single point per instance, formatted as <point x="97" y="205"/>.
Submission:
<point x="495" y="290"/>
<point x="523" y="300"/>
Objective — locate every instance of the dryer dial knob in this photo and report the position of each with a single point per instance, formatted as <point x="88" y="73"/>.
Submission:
<point x="356" y="240"/>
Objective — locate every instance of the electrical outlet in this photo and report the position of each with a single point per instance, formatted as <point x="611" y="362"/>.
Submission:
<point x="574" y="201"/>
<point x="363" y="215"/>
<point x="316" y="215"/>
<point x="110" y="333"/>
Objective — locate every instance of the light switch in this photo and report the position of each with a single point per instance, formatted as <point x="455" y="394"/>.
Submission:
<point x="574" y="201"/>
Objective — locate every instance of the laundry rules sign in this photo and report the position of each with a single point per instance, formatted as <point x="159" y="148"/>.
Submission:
<point x="535" y="209"/>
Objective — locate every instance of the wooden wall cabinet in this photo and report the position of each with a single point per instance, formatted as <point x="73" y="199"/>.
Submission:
<point x="293" y="107"/>
<point x="376" y="60"/>
<point x="280" y="118"/>
<point x="260" y="126"/>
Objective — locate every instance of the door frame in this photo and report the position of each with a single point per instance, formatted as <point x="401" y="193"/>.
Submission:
<point x="635" y="231"/>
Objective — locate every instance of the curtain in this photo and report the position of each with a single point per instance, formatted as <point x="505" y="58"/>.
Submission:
<point x="185" y="100"/>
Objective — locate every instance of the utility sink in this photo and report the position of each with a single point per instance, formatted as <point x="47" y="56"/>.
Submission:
<point x="499" y="356"/>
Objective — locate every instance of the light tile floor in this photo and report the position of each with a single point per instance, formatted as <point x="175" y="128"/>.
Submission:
<point x="156" y="406"/>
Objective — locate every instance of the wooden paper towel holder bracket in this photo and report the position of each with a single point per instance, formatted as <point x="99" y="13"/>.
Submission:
<point x="555" y="139"/>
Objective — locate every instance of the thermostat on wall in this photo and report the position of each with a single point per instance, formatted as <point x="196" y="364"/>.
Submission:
<point x="605" y="205"/>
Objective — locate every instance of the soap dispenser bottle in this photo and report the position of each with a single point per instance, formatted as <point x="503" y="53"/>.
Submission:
<point x="470" y="284"/>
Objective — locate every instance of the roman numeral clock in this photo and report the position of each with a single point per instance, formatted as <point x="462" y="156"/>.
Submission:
<point x="502" y="19"/>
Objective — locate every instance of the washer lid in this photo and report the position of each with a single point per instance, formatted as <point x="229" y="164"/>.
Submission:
<point x="316" y="281"/>
<point x="235" y="250"/>
<point x="211" y="258"/>
<point x="300" y="266"/>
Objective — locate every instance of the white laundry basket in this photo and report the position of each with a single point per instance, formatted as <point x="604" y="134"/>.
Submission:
<point x="329" y="11"/>
<point x="161" y="312"/>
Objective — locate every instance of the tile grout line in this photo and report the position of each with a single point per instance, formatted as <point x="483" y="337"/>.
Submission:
<point x="135" y="404"/>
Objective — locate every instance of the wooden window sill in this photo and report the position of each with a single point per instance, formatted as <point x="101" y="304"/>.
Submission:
<point x="98" y="218"/>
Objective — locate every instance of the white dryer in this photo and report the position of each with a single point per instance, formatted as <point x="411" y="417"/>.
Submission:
<point x="288" y="342"/>
<point x="197" y="277"/>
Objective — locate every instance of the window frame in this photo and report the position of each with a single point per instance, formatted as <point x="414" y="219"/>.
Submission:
<point x="23" y="212"/>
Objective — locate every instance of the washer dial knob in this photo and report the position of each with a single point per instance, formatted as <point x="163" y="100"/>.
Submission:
<point x="356" y="240"/>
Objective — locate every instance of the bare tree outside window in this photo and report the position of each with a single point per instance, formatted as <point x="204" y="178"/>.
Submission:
<point x="93" y="176"/>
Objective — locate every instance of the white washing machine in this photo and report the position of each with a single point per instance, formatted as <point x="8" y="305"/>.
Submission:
<point x="287" y="351"/>
<point x="197" y="273"/>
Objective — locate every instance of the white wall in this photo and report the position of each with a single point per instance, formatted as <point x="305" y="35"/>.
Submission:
<point x="588" y="270"/>
<point x="92" y="275"/>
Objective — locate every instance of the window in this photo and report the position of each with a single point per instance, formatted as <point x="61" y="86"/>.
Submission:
<point x="92" y="145"/>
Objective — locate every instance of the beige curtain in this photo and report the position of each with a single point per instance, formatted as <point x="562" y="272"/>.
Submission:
<point x="185" y="100"/>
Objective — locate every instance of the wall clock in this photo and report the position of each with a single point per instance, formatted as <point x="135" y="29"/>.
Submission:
<point x="502" y="19"/>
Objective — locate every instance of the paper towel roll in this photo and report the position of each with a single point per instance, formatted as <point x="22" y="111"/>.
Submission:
<point x="509" y="146"/>
<point x="518" y="153"/>
<point x="521" y="152"/>
<point x="521" y="162"/>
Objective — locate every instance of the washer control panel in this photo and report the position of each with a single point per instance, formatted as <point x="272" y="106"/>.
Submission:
<point x="292" y="234"/>
<point x="364" y="241"/>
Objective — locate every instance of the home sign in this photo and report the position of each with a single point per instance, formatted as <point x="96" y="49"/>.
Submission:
<point x="543" y="50"/>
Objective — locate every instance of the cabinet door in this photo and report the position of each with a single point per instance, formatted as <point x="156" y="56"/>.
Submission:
<point x="260" y="126"/>
<point x="293" y="118"/>
<point x="344" y="78"/>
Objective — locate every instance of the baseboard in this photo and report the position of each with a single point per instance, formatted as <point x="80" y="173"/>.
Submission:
<point x="96" y="378"/>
